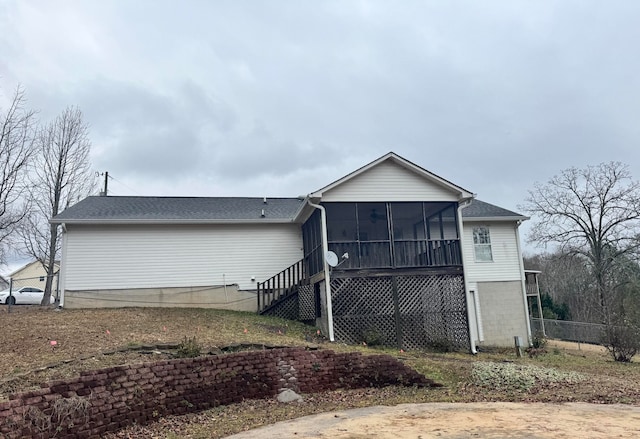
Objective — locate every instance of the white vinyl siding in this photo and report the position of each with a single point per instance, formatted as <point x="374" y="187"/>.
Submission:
<point x="116" y="257"/>
<point x="389" y="182"/>
<point x="504" y="249"/>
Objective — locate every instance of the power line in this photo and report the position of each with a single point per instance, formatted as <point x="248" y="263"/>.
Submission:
<point x="127" y="187"/>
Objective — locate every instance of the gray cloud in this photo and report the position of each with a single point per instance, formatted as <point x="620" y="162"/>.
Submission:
<point x="283" y="97"/>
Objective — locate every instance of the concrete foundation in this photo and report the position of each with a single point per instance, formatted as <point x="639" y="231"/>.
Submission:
<point x="217" y="296"/>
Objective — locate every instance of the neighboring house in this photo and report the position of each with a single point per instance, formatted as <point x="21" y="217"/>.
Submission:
<point x="4" y="284"/>
<point x="419" y="261"/>
<point x="34" y="274"/>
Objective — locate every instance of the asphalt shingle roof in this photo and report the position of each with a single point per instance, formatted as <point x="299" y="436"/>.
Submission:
<point x="179" y="209"/>
<point x="215" y="209"/>
<point x="480" y="209"/>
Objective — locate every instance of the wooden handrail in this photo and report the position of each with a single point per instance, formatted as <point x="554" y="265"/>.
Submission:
<point x="281" y="284"/>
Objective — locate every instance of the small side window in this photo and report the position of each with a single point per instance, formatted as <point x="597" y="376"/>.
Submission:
<point x="482" y="244"/>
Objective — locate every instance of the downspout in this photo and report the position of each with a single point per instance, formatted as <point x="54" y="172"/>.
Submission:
<point x="523" y="282"/>
<point x="327" y="274"/>
<point x="62" y="271"/>
<point x="461" y="206"/>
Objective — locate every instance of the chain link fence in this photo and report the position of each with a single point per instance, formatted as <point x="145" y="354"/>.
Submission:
<point x="570" y="331"/>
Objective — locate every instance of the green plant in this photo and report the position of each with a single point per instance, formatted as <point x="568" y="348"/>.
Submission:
<point x="538" y="344"/>
<point x="188" y="348"/>
<point x="373" y="337"/>
<point x="515" y="377"/>
<point x="539" y="341"/>
<point x="441" y="345"/>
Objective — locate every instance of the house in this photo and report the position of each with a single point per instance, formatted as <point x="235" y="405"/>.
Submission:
<point x="34" y="274"/>
<point x="390" y="253"/>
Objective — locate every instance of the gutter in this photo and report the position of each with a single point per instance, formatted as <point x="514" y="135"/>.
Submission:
<point x="327" y="273"/>
<point x="493" y="218"/>
<point x="461" y="205"/>
<point x="171" y="221"/>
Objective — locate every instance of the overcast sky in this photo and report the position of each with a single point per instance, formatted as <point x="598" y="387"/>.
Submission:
<point x="279" y="98"/>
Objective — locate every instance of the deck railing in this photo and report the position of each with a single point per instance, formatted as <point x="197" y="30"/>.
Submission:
<point x="404" y="254"/>
<point x="443" y="252"/>
<point x="280" y="285"/>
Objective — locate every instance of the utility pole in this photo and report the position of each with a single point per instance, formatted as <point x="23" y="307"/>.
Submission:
<point x="106" y="183"/>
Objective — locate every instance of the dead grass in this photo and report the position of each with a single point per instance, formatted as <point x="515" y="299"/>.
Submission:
<point x="92" y="339"/>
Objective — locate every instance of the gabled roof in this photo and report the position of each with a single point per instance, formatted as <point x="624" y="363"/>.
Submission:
<point x="176" y="210"/>
<point x="391" y="156"/>
<point x="29" y="264"/>
<point x="225" y="210"/>
<point x="479" y="210"/>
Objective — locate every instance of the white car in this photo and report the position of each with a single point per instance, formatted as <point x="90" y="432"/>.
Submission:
<point x="22" y="296"/>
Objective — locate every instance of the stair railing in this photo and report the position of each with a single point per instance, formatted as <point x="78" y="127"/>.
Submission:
<point x="280" y="285"/>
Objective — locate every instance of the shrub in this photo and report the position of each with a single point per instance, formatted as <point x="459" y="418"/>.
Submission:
<point x="622" y="342"/>
<point x="442" y="345"/>
<point x="539" y="341"/>
<point x="373" y="337"/>
<point x="188" y="348"/>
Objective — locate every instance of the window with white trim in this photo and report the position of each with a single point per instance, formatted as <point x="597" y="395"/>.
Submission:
<point x="482" y="244"/>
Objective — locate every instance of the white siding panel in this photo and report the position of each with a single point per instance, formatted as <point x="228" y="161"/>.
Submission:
<point x="389" y="182"/>
<point x="112" y="257"/>
<point x="505" y="265"/>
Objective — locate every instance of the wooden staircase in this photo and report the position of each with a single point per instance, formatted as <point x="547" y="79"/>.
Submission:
<point x="281" y="286"/>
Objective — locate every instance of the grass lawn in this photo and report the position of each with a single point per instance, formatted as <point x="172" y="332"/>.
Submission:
<point x="92" y="339"/>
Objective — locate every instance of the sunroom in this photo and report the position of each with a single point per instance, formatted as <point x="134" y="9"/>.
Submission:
<point x="382" y="260"/>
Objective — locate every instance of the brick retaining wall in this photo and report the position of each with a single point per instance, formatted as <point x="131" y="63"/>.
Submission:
<point x="109" y="399"/>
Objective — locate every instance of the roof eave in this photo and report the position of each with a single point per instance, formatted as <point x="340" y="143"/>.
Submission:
<point x="495" y="218"/>
<point x="169" y="222"/>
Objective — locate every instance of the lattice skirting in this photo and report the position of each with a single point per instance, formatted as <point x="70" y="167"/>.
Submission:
<point x="298" y="305"/>
<point x="306" y="303"/>
<point x="410" y="311"/>
<point x="286" y="308"/>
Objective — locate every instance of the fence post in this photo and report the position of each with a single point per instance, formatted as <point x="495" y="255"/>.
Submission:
<point x="518" y="345"/>
<point x="10" y="295"/>
<point x="396" y="311"/>
<point x="258" y="296"/>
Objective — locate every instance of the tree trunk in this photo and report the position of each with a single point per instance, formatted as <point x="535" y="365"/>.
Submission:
<point x="51" y="265"/>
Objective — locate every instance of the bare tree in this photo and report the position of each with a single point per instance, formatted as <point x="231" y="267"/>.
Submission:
<point x="567" y="279"/>
<point x="592" y="212"/>
<point x="61" y="175"/>
<point x="17" y="127"/>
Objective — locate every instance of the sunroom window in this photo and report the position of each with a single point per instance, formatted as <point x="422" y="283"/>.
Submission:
<point x="402" y="235"/>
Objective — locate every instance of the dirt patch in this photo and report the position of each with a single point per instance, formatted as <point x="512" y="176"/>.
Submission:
<point x="576" y="347"/>
<point x="93" y="339"/>
<point x="486" y="420"/>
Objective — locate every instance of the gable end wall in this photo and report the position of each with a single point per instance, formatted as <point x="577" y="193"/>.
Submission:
<point x="389" y="182"/>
